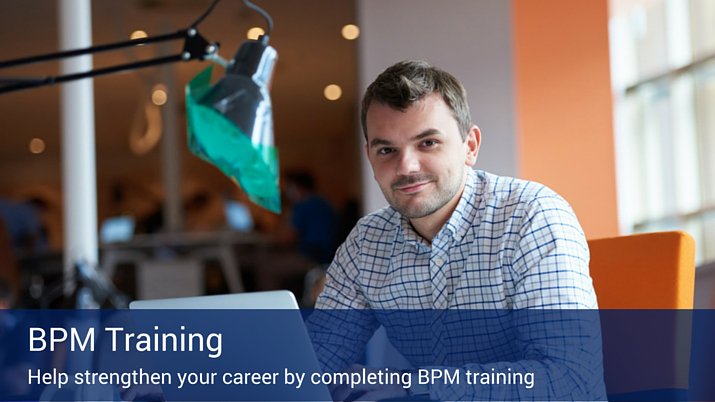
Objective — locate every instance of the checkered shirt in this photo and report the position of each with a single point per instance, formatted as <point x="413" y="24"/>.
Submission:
<point x="510" y="244"/>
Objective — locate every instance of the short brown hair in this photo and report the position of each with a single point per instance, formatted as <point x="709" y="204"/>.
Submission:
<point x="408" y="82"/>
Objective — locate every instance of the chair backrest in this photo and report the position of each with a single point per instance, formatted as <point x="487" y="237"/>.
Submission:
<point x="646" y="353"/>
<point x="644" y="271"/>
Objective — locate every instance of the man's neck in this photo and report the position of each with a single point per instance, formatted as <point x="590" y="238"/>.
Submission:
<point x="430" y="225"/>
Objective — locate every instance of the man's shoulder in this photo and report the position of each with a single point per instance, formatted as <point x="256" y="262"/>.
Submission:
<point x="383" y="219"/>
<point x="522" y="202"/>
<point x="512" y="190"/>
<point x="374" y="230"/>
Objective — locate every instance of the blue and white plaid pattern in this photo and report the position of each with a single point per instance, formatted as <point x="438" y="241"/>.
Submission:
<point x="510" y="244"/>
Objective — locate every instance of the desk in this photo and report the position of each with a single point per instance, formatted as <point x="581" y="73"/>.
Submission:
<point x="145" y="248"/>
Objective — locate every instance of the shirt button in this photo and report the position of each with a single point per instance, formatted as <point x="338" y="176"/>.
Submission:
<point x="439" y="261"/>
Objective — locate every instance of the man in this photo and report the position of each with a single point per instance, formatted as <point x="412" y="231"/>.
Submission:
<point x="457" y="239"/>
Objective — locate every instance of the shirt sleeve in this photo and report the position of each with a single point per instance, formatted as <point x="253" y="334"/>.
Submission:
<point x="550" y="265"/>
<point x="342" y="322"/>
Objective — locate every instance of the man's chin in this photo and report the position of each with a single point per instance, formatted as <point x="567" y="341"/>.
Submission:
<point x="414" y="211"/>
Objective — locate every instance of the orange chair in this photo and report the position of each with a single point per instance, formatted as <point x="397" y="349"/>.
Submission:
<point x="644" y="271"/>
<point x="652" y="271"/>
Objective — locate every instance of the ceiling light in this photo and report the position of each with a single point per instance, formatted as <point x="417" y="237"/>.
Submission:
<point x="138" y="34"/>
<point x="350" y="32"/>
<point x="332" y="92"/>
<point x="37" y="146"/>
<point x="254" y="33"/>
<point x="158" y="95"/>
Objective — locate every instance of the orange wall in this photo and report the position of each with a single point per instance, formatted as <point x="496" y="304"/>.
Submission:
<point x="564" y="112"/>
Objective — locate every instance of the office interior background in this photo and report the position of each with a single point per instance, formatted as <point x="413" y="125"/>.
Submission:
<point x="607" y="102"/>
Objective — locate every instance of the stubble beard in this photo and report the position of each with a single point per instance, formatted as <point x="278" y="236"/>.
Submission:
<point x="439" y="197"/>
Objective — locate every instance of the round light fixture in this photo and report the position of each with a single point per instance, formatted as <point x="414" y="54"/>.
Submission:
<point x="37" y="146"/>
<point x="138" y="34"/>
<point x="333" y="92"/>
<point x="159" y="95"/>
<point x="350" y="32"/>
<point x="254" y="33"/>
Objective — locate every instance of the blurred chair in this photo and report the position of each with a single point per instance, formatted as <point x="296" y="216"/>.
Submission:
<point x="647" y="348"/>
<point x="644" y="271"/>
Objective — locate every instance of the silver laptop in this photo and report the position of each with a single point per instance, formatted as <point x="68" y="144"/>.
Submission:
<point x="300" y="344"/>
<point x="273" y="300"/>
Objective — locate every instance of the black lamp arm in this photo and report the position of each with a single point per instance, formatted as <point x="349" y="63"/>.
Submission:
<point x="195" y="47"/>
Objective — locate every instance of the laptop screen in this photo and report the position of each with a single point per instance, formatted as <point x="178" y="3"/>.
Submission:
<point x="238" y="216"/>
<point x="116" y="229"/>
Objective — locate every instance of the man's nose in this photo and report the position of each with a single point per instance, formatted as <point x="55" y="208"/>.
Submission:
<point x="409" y="163"/>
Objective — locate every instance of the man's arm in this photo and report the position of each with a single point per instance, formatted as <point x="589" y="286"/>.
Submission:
<point x="549" y="340"/>
<point x="342" y="322"/>
<point x="555" y="315"/>
<point x="550" y="263"/>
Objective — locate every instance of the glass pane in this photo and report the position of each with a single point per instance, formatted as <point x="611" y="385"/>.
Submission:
<point x="702" y="27"/>
<point x="655" y="125"/>
<point x="651" y="37"/>
<point x="678" y="33"/>
<point x="628" y="163"/>
<point x="707" y="243"/>
<point x="684" y="145"/>
<point x="705" y="112"/>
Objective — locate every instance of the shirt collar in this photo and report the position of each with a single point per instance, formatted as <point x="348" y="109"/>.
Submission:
<point x="462" y="219"/>
<point x="409" y="233"/>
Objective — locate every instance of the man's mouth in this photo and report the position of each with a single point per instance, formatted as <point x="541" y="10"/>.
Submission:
<point x="412" y="187"/>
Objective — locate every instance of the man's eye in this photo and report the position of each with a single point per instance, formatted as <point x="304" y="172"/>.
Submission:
<point x="429" y="143"/>
<point x="385" y="151"/>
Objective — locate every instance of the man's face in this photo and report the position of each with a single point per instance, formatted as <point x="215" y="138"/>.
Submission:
<point x="418" y="156"/>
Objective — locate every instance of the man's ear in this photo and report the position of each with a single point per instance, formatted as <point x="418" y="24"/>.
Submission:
<point x="473" y="141"/>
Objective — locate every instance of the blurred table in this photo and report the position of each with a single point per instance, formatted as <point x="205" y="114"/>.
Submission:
<point x="146" y="249"/>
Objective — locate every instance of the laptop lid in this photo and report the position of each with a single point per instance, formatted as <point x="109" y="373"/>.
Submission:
<point x="271" y="300"/>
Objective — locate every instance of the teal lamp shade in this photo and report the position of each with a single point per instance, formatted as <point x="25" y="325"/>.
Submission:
<point x="230" y="124"/>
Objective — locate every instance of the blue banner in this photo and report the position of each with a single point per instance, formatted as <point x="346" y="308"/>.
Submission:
<point x="281" y="355"/>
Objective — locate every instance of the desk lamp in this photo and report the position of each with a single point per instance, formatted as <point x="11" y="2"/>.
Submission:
<point x="230" y="124"/>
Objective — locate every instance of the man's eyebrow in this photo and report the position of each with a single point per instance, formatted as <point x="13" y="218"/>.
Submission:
<point x="379" y="141"/>
<point x="428" y="132"/>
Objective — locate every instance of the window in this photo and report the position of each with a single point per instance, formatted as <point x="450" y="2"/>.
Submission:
<point x="663" y="73"/>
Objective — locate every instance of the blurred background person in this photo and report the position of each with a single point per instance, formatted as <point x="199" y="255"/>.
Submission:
<point x="313" y="221"/>
<point x="305" y="241"/>
<point x="23" y="226"/>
